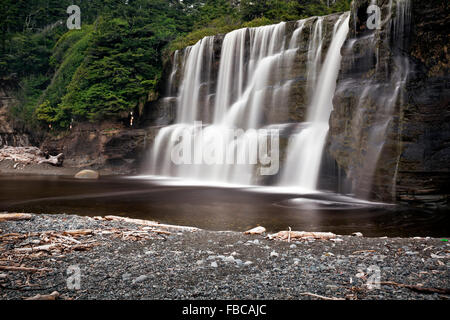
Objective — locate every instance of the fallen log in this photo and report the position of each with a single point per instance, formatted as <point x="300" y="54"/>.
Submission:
<point x="68" y="238"/>
<point x="29" y="155"/>
<point x="80" y="232"/>
<point x="46" y="247"/>
<point x="54" y="160"/>
<point x="150" y="223"/>
<point x="257" y="230"/>
<point x="26" y="269"/>
<point x="14" y="216"/>
<point x="301" y="235"/>
<point x="51" y="296"/>
<point x="72" y="233"/>
<point x="14" y="236"/>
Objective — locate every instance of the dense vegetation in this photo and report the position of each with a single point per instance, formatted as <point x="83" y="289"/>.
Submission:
<point x="109" y="67"/>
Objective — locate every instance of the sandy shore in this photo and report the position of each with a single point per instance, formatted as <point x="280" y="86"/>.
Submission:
<point x="118" y="260"/>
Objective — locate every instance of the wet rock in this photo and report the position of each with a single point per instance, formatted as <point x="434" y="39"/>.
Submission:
<point x="140" y="279"/>
<point x="412" y="166"/>
<point x="126" y="276"/>
<point x="88" y="175"/>
<point x="229" y="259"/>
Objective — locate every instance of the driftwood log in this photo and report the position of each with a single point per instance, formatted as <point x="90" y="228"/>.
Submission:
<point x="52" y="296"/>
<point x="26" y="269"/>
<point x="256" y="230"/>
<point x="14" y="216"/>
<point x="54" y="160"/>
<point x="301" y="235"/>
<point x="148" y="223"/>
<point x="29" y="155"/>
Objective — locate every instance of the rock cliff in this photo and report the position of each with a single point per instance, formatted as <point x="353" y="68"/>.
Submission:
<point x="390" y="129"/>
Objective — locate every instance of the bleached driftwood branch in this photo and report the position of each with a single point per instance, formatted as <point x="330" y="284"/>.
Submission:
<point x="54" y="160"/>
<point x="301" y="235"/>
<point x="14" y="216"/>
<point x="29" y="155"/>
<point x="149" y="223"/>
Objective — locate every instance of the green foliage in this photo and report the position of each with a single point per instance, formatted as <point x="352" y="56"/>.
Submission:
<point x="31" y="89"/>
<point x="105" y="69"/>
<point x="220" y="25"/>
<point x="27" y="54"/>
<point x="211" y="10"/>
<point x="257" y="22"/>
<point x="224" y="18"/>
<point x="123" y="64"/>
<point x="108" y="68"/>
<point x="285" y="10"/>
<point x="54" y="116"/>
<point x="67" y="56"/>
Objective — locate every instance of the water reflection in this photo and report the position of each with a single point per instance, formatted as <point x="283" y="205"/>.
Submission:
<point x="217" y="208"/>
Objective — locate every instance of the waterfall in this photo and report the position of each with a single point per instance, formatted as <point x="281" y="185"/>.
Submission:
<point x="267" y="50"/>
<point x="314" y="55"/>
<point x="196" y="80"/>
<point x="252" y="87"/>
<point x="249" y="82"/>
<point x="379" y="95"/>
<point x="305" y="149"/>
<point x="231" y="65"/>
<point x="284" y="77"/>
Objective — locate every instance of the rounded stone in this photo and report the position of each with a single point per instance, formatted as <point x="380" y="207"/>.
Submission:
<point x="87" y="174"/>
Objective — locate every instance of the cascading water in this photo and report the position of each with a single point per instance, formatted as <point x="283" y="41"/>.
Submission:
<point x="249" y="82"/>
<point x="197" y="80"/>
<point x="378" y="95"/>
<point x="305" y="149"/>
<point x="314" y="55"/>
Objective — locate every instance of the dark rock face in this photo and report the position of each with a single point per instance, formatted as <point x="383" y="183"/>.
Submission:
<point x="14" y="139"/>
<point x="102" y="146"/>
<point x="411" y="162"/>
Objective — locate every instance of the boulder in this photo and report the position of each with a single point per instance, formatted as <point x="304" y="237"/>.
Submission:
<point x="87" y="174"/>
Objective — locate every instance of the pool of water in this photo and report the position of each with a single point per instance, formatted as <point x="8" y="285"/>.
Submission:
<point x="235" y="208"/>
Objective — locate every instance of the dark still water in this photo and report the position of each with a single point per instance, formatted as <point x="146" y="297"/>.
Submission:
<point x="216" y="208"/>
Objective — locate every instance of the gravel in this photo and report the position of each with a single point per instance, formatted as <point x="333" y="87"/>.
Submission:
<point x="225" y="265"/>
